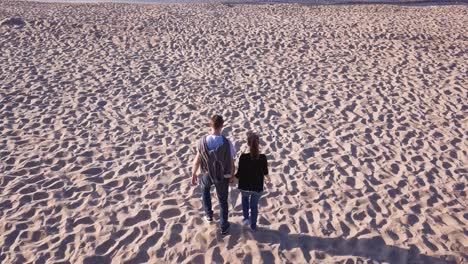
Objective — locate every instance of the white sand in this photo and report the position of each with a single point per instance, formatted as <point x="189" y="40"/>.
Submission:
<point x="362" y="112"/>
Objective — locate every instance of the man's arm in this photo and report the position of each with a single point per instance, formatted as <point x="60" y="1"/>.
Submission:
<point x="233" y="165"/>
<point x="195" y="167"/>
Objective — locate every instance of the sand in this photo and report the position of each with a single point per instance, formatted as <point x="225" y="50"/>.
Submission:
<point x="362" y="112"/>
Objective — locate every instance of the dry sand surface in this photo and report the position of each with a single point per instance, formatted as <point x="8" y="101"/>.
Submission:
<point x="362" y="111"/>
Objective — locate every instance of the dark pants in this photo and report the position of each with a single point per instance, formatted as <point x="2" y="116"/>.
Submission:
<point x="250" y="201"/>
<point x="222" y="191"/>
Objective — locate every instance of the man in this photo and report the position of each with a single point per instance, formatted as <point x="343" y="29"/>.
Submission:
<point x="215" y="157"/>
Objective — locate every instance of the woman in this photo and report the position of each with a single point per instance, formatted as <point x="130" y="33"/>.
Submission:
<point x="251" y="172"/>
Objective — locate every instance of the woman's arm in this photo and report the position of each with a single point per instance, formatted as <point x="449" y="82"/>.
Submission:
<point x="265" y="165"/>
<point x="240" y="168"/>
<point x="265" y="169"/>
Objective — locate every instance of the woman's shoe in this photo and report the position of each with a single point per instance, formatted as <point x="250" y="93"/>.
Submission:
<point x="225" y="232"/>
<point x="209" y="219"/>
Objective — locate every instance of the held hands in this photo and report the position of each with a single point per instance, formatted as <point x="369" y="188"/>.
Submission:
<point x="194" y="179"/>
<point x="231" y="180"/>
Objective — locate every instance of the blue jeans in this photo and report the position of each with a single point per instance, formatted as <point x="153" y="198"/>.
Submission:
<point x="250" y="200"/>
<point x="222" y="191"/>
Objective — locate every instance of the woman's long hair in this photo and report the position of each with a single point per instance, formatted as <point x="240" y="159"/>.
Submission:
<point x="253" y="141"/>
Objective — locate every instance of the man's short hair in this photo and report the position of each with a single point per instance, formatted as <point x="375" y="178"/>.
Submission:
<point x="216" y="121"/>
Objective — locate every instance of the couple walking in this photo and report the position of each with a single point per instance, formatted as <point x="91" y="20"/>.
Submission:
<point x="215" y="158"/>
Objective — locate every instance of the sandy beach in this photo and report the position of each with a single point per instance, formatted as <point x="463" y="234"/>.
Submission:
<point x="362" y="112"/>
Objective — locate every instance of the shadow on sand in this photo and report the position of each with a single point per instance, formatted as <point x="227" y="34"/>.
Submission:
<point x="372" y="248"/>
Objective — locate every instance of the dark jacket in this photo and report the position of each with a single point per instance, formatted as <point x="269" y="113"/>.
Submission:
<point x="251" y="172"/>
<point x="217" y="162"/>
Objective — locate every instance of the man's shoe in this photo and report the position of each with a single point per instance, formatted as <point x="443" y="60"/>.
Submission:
<point x="246" y="222"/>
<point x="225" y="232"/>
<point x="209" y="219"/>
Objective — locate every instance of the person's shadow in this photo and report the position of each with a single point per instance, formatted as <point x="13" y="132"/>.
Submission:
<point x="373" y="248"/>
